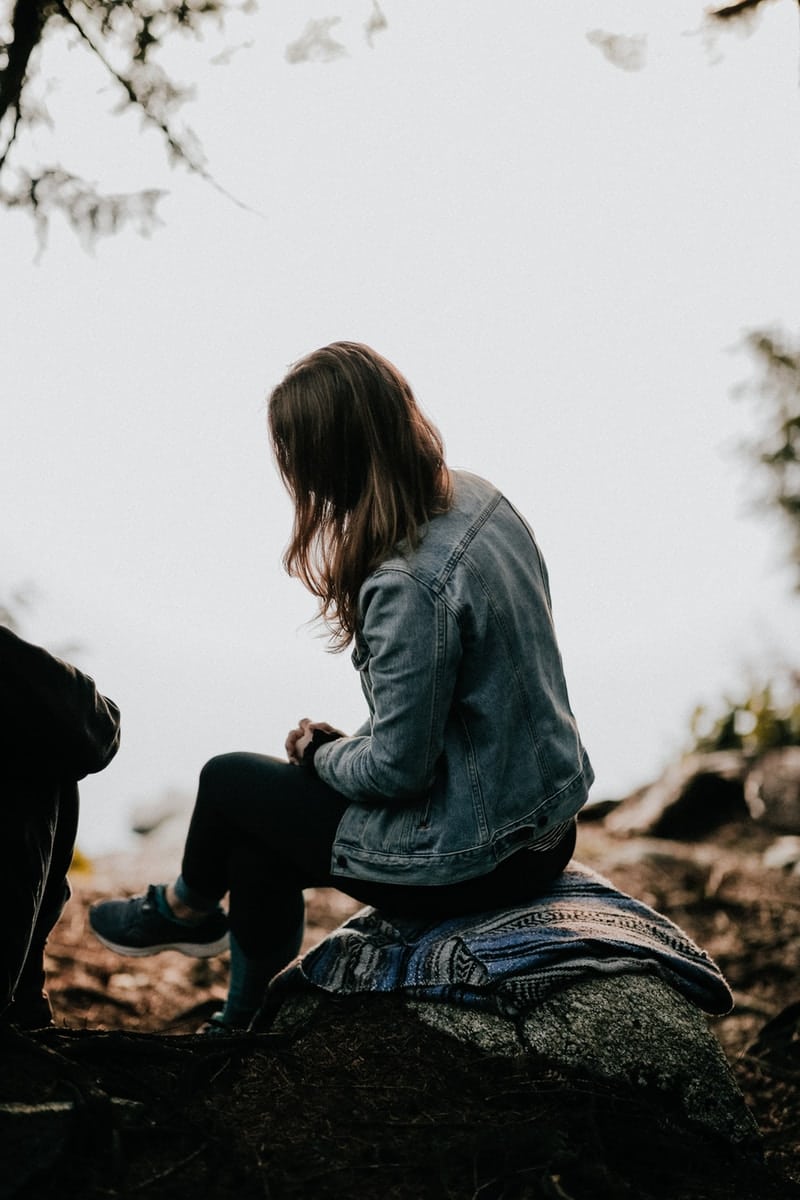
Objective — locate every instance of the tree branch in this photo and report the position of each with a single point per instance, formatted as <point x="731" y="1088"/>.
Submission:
<point x="90" y="213"/>
<point x="27" y="23"/>
<point x="740" y="9"/>
<point x="135" y="97"/>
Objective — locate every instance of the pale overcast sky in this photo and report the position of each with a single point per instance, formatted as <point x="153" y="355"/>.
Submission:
<point x="558" y="251"/>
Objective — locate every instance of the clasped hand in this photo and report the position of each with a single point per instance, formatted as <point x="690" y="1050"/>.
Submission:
<point x="298" y="739"/>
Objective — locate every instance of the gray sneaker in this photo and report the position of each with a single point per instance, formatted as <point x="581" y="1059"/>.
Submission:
<point x="138" y="927"/>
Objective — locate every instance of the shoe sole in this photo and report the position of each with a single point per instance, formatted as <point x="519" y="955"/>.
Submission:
<point x="190" y="949"/>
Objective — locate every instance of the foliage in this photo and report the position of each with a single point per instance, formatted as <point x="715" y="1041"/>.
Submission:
<point x="81" y="864"/>
<point x="776" y="452"/>
<point x="766" y="716"/>
<point x="740" y="10"/>
<point x="16" y="603"/>
<point x="126" y="37"/>
<point x="7" y="617"/>
<point x="13" y="604"/>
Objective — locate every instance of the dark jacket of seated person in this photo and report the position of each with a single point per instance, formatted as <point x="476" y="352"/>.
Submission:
<point x="55" y="728"/>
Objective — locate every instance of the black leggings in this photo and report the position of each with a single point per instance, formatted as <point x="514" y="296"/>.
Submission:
<point x="262" y="830"/>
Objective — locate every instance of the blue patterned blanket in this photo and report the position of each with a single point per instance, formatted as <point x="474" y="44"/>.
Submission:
<point x="508" y="960"/>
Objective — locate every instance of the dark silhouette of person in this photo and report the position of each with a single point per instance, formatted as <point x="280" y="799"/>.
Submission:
<point x="55" y="728"/>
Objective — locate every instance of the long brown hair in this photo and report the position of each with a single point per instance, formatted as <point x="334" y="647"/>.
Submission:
<point x="364" y="467"/>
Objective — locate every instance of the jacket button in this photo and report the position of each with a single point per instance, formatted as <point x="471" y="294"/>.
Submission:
<point x="341" y="861"/>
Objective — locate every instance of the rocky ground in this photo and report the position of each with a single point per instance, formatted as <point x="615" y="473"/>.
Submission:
<point x="316" y="1122"/>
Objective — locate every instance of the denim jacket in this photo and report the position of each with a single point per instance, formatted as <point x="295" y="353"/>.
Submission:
<point x="471" y="750"/>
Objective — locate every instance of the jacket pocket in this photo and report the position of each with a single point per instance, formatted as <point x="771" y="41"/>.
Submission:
<point x="424" y="819"/>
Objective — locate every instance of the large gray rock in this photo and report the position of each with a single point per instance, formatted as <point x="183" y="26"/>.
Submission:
<point x="772" y="789"/>
<point x="690" y="799"/>
<point x="632" y="1031"/>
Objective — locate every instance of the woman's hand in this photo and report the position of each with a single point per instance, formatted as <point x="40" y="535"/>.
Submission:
<point x="299" y="738"/>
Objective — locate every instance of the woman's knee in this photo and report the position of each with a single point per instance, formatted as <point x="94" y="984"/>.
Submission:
<point x="239" y="778"/>
<point x="217" y="778"/>
<point x="222" y="768"/>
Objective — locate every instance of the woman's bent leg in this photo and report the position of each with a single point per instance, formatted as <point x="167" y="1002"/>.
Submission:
<point x="261" y="830"/>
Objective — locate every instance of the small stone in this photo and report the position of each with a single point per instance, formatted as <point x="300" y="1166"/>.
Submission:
<point x="784" y="852"/>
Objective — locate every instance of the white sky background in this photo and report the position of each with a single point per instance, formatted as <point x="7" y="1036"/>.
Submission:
<point x="557" y="252"/>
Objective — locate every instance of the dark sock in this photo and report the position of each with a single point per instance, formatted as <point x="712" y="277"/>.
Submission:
<point x="192" y="898"/>
<point x="163" y="907"/>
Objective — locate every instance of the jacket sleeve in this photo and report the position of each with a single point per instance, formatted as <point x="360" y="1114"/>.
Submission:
<point x="413" y="654"/>
<point x="53" y="721"/>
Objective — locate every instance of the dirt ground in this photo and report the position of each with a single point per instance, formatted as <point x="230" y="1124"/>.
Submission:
<point x="322" y="1121"/>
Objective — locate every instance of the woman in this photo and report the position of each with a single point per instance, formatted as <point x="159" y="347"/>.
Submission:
<point x="459" y="792"/>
